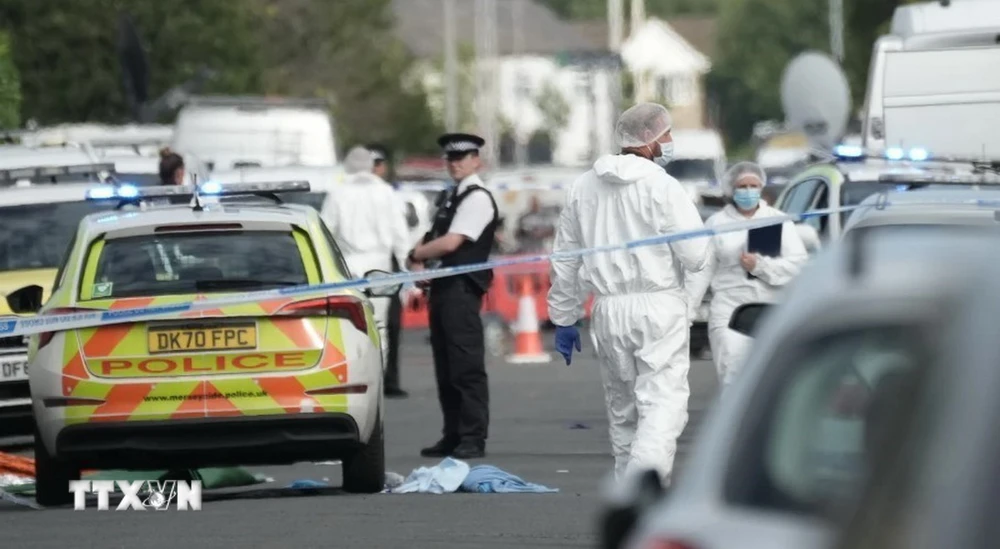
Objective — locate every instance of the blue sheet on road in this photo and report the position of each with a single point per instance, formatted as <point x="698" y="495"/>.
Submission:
<point x="452" y="475"/>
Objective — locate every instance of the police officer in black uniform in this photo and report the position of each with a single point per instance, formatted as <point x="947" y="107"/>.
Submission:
<point x="462" y="234"/>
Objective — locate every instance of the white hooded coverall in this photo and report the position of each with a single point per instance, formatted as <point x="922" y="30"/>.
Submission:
<point x="731" y="287"/>
<point x="640" y="317"/>
<point x="368" y="221"/>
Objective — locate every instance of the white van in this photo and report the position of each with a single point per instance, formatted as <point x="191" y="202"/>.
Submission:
<point x="234" y="132"/>
<point x="699" y="159"/>
<point x="934" y="83"/>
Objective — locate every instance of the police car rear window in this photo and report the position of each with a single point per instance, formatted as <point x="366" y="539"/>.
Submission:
<point x="204" y="262"/>
<point x="35" y="236"/>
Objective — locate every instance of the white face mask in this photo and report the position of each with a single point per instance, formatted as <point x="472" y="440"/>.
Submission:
<point x="666" y="154"/>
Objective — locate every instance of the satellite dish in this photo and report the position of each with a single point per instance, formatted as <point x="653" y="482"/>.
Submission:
<point x="816" y="98"/>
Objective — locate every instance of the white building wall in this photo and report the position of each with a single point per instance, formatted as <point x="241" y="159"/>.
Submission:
<point x="572" y="143"/>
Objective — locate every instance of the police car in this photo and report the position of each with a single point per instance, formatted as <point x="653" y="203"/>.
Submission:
<point x="284" y="379"/>
<point x="37" y="224"/>
<point x="852" y="176"/>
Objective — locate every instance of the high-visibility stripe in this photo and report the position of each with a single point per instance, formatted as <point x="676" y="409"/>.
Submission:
<point x="152" y="409"/>
<point x="122" y="400"/>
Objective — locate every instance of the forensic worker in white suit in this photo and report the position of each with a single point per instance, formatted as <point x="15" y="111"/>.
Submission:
<point x="640" y="316"/>
<point x="736" y="275"/>
<point x="368" y="222"/>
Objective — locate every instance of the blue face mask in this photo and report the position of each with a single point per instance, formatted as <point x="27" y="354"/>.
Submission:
<point x="746" y="199"/>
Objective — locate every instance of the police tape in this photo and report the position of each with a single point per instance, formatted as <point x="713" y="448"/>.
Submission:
<point x="19" y="326"/>
<point x="492" y="186"/>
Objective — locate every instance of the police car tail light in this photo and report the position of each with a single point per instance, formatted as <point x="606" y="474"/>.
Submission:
<point x="44" y="338"/>
<point x="339" y="306"/>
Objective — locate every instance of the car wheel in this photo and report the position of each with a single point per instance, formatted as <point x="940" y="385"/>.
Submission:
<point x="496" y="336"/>
<point x="52" y="476"/>
<point x="364" y="471"/>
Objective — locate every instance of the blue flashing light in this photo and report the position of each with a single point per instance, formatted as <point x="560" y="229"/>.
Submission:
<point x="128" y="191"/>
<point x="919" y="155"/>
<point x="211" y="187"/>
<point x="101" y="193"/>
<point x="902" y="188"/>
<point x="895" y="153"/>
<point x="848" y="151"/>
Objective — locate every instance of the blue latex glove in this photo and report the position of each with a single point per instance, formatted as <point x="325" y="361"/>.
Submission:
<point x="567" y="337"/>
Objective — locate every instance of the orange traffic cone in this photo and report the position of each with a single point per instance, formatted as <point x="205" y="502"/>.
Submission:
<point x="527" y="339"/>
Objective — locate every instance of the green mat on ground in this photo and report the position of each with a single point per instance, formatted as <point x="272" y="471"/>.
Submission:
<point x="212" y="478"/>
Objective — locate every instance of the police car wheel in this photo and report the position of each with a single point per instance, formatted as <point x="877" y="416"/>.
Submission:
<point x="364" y="471"/>
<point x="52" y="476"/>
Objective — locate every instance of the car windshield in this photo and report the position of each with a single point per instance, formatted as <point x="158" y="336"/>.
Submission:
<point x="691" y="169"/>
<point x="203" y="262"/>
<point x="813" y="449"/>
<point x="35" y="236"/>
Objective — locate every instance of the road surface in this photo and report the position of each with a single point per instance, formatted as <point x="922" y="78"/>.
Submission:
<point x="547" y="426"/>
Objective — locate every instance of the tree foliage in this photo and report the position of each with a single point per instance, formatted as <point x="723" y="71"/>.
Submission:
<point x="343" y="51"/>
<point x="10" y="87"/>
<point x="66" y="51"/>
<point x="757" y="39"/>
<point x="598" y="9"/>
<point x="347" y="52"/>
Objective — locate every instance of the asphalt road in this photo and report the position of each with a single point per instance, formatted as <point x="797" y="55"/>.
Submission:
<point x="547" y="426"/>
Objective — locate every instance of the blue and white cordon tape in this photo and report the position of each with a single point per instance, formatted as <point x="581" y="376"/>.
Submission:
<point x="434" y="186"/>
<point x="73" y="321"/>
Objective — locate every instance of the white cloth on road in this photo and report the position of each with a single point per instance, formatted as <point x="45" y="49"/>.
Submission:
<point x="444" y="477"/>
<point x="640" y="322"/>
<point x="731" y="287"/>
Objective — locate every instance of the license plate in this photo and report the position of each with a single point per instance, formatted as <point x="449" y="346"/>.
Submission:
<point x="14" y="370"/>
<point x="230" y="337"/>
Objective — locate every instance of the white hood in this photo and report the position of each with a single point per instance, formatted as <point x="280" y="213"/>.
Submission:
<point x="624" y="169"/>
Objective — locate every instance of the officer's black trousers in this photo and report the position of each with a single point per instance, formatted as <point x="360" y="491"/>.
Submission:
<point x="393" y="327"/>
<point x="459" y="359"/>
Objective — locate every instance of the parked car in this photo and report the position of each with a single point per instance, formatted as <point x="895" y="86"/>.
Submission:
<point x="787" y="449"/>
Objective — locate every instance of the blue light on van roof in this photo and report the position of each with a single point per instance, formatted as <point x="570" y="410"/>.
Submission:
<point x="895" y="153"/>
<point x="919" y="155"/>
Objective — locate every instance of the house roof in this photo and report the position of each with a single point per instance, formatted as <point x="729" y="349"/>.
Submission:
<point x="698" y="31"/>
<point x="419" y="24"/>
<point x="658" y="48"/>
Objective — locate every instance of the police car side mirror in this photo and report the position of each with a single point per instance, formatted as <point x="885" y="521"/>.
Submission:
<point x="381" y="291"/>
<point x="26" y="300"/>
<point x="747" y="317"/>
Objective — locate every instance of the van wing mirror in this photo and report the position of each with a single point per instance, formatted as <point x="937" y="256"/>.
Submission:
<point x="747" y="317"/>
<point x="26" y="300"/>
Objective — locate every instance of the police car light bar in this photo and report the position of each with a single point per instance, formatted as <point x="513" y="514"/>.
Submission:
<point x="941" y="178"/>
<point x="52" y="171"/>
<point x="129" y="192"/>
<point x="856" y="152"/>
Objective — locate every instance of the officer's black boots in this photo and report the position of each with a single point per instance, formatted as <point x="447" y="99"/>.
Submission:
<point x="469" y="450"/>
<point x="443" y="448"/>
